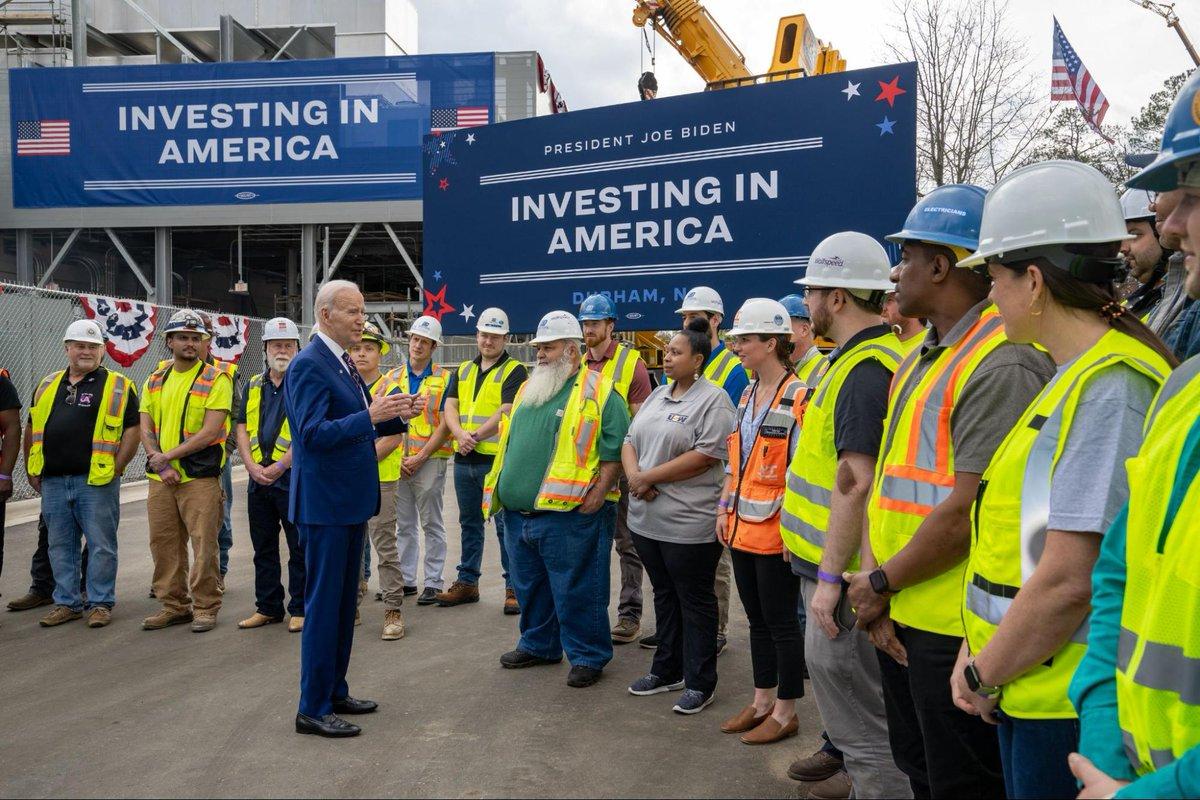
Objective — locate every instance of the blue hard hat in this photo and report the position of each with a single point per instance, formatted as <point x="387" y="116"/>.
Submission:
<point x="795" y="305"/>
<point x="948" y="215"/>
<point x="1180" y="142"/>
<point x="597" y="306"/>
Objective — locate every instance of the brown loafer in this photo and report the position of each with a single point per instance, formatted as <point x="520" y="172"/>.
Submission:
<point x="258" y="620"/>
<point x="770" y="731"/>
<point x="746" y="719"/>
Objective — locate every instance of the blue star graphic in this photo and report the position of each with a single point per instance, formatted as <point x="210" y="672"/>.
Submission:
<point x="437" y="276"/>
<point x="886" y="126"/>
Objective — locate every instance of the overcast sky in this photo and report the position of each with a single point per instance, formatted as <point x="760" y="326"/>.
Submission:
<point x="596" y="55"/>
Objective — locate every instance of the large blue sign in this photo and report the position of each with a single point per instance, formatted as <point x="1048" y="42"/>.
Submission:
<point x="729" y="189"/>
<point x="250" y="132"/>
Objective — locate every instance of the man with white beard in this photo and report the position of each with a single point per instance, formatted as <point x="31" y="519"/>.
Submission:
<point x="562" y="442"/>
<point x="264" y="439"/>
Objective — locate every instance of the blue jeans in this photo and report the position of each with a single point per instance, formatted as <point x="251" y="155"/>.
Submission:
<point x="468" y="488"/>
<point x="1034" y="754"/>
<point x="225" y="535"/>
<point x="73" y="508"/>
<point x="560" y="571"/>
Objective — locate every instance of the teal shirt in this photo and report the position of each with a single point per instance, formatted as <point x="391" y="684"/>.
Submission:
<point x="1093" y="689"/>
<point x="531" y="442"/>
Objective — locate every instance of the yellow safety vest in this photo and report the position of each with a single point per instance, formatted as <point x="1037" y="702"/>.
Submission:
<point x="106" y="435"/>
<point x="915" y="471"/>
<point x="718" y="369"/>
<point x="253" y="405"/>
<point x="474" y="410"/>
<point x="225" y="368"/>
<point x="811" y="366"/>
<point x="1158" y="652"/>
<point x="575" y="462"/>
<point x="1010" y="515"/>
<point x="621" y="368"/>
<point x="420" y="429"/>
<point x="389" y="467"/>
<point x="193" y="415"/>
<point x="806" y="502"/>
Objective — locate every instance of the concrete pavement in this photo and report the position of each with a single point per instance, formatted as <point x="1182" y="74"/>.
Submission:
<point x="122" y="711"/>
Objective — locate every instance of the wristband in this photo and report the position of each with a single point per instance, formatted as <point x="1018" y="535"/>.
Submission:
<point x="826" y="577"/>
<point x="723" y="504"/>
<point x="5" y="477"/>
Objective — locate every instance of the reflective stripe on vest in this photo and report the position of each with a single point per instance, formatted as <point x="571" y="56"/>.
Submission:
<point x="106" y="433"/>
<point x="718" y="369"/>
<point x="421" y="428"/>
<point x="389" y="467"/>
<point x="1011" y="515"/>
<point x="621" y="368"/>
<point x="476" y="409"/>
<point x="201" y="387"/>
<point x="811" y="367"/>
<point x="283" y="440"/>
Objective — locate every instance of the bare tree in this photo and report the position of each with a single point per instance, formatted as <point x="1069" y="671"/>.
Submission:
<point x="980" y="106"/>
<point x="1069" y="136"/>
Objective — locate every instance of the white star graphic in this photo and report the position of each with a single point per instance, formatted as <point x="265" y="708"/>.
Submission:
<point x="467" y="312"/>
<point x="851" y="90"/>
<point x="470" y="138"/>
<point x="442" y="145"/>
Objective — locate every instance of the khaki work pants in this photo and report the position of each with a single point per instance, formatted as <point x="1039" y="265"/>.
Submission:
<point x="381" y="530"/>
<point x="189" y="512"/>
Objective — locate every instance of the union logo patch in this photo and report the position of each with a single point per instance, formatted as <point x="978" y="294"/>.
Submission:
<point x="1196" y="107"/>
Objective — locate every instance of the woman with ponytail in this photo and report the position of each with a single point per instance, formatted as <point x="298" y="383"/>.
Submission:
<point x="1050" y="240"/>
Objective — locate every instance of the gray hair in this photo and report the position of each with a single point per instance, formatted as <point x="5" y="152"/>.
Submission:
<point x="578" y="344"/>
<point x="328" y="291"/>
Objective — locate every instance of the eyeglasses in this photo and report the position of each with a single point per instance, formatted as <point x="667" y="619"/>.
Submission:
<point x="72" y="390"/>
<point x="810" y="290"/>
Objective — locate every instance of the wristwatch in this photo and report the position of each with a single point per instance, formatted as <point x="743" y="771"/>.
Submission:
<point x="879" y="582"/>
<point x="975" y="684"/>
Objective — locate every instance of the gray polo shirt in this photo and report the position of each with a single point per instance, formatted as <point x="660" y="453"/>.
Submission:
<point x="685" y="512"/>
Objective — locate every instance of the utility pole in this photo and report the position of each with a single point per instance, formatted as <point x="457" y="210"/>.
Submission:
<point x="1167" y="12"/>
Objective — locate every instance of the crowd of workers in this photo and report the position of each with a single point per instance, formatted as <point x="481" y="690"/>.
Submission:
<point x="967" y="524"/>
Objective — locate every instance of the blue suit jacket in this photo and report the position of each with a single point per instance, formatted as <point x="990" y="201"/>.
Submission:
<point x="335" y="475"/>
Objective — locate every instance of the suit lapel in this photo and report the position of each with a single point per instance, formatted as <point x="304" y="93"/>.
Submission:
<point x="336" y="363"/>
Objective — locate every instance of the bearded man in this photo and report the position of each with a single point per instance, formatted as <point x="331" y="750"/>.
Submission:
<point x="562" y="447"/>
<point x="264" y="440"/>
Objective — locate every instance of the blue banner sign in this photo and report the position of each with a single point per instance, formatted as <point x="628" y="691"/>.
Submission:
<point x="730" y="189"/>
<point x="326" y="130"/>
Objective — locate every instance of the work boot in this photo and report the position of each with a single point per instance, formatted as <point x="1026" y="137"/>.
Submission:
<point x="28" y="601"/>
<point x="221" y="583"/>
<point x="295" y="624"/>
<point x="357" y="618"/>
<point x="393" y="625"/>
<point x="165" y="619"/>
<point x="836" y="787"/>
<point x="98" y="617"/>
<point x="458" y="594"/>
<point x="815" y="768"/>
<point x="257" y="620"/>
<point x="511" y="606"/>
<point x="58" y="616"/>
<point x="625" y="631"/>
<point x="202" y="623"/>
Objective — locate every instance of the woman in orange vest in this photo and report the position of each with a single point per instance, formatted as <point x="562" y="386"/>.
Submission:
<point x="760" y="448"/>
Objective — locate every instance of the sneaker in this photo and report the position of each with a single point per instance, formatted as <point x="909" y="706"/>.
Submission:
<point x="28" y="601"/>
<point x="165" y="619"/>
<point x="458" y="594"/>
<point x="649" y="642"/>
<point x="625" y="631"/>
<point x="581" y="677"/>
<point x="693" y="701"/>
<point x="409" y="591"/>
<point x="722" y="643"/>
<point x="652" y="684"/>
<point x="511" y="606"/>
<point x="58" y="615"/>
<point x="393" y="625"/>
<point x="428" y="597"/>
<point x="98" y="616"/>
<point x="202" y="623"/>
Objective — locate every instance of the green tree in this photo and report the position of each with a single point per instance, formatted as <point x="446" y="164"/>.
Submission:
<point x="1068" y="136"/>
<point x="1147" y="127"/>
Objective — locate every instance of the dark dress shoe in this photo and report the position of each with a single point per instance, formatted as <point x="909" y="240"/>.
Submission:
<point x="580" y="677"/>
<point x="519" y="659"/>
<point x="330" y="725"/>
<point x="410" y="591"/>
<point x="348" y="705"/>
<point x="428" y="597"/>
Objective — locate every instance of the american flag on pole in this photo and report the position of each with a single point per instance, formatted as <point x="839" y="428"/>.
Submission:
<point x="44" y="137"/>
<point x="1070" y="80"/>
<point x="450" y="119"/>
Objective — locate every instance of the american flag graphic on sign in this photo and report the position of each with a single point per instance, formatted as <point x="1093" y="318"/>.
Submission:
<point x="1070" y="80"/>
<point x="45" y="137"/>
<point x="449" y="119"/>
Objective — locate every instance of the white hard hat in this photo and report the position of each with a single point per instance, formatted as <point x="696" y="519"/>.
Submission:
<point x="84" y="330"/>
<point x="849" y="260"/>
<point x="428" y="327"/>
<point x="1048" y="204"/>
<point x="557" y="325"/>
<point x="493" y="320"/>
<point x="312" y="334"/>
<point x="280" y="328"/>
<point x="1135" y="204"/>
<point x="761" y="315"/>
<point x="702" y="298"/>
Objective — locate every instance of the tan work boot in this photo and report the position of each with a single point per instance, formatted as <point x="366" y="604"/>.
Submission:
<point x="164" y="619"/>
<point x="204" y="622"/>
<point x="625" y="631"/>
<point x="836" y="787"/>
<point x="357" y="618"/>
<point x="458" y="593"/>
<point x="511" y="606"/>
<point x="220" y="584"/>
<point x="295" y="624"/>
<point x="393" y="625"/>
<point x="28" y="601"/>
<point x="98" y="617"/>
<point x="257" y="620"/>
<point x="58" y="616"/>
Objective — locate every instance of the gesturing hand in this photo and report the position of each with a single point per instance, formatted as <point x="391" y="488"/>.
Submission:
<point x="386" y="407"/>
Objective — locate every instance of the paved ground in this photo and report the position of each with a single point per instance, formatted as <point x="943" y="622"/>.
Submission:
<point x="120" y="711"/>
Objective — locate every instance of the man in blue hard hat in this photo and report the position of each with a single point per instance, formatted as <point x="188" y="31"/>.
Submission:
<point x="807" y="360"/>
<point x="621" y="364"/>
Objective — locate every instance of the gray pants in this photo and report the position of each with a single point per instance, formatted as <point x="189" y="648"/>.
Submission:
<point x="419" y="508"/>
<point x="630" y="604"/>
<point x="722" y="586"/>
<point x="849" y="691"/>
<point x="381" y="530"/>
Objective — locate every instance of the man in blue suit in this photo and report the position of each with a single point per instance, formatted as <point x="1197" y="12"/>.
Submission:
<point x="334" y="491"/>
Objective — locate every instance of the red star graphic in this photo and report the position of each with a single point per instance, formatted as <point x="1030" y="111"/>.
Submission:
<point x="444" y="184"/>
<point x="889" y="91"/>
<point x="436" y="305"/>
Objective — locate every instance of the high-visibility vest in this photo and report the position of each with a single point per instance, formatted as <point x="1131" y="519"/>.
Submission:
<point x="421" y="428"/>
<point x="575" y="461"/>
<point x="1158" y="651"/>
<point x="1010" y="515"/>
<point x="192" y="419"/>
<point x="758" y="489"/>
<point x="621" y="368"/>
<point x="225" y="368"/>
<point x="389" y="467"/>
<point x="718" y="369"/>
<point x="912" y="343"/>
<point x="915" y="471"/>
<point x="809" y="368"/>
<point x="106" y="434"/>
<point x="283" y="441"/>
<point x="805" y="517"/>
<point x="474" y="410"/>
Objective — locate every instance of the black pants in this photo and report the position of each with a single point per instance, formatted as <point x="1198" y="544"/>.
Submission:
<point x="685" y="609"/>
<point x="769" y="593"/>
<point x="40" y="573"/>
<point x="944" y="752"/>
<point x="268" y="510"/>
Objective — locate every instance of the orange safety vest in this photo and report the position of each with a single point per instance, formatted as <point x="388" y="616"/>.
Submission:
<point x="759" y="488"/>
<point x="192" y="419"/>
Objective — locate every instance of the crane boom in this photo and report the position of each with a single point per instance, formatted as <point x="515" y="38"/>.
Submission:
<point x="1167" y="12"/>
<point x="696" y="36"/>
